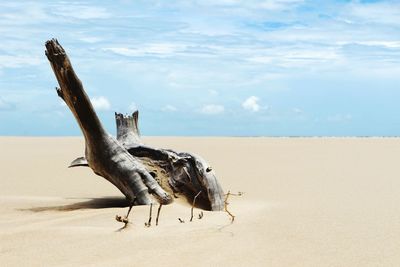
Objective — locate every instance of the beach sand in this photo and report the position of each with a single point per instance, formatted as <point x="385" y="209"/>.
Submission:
<point x="306" y="202"/>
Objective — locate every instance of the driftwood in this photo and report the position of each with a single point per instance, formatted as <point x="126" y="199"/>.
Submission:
<point x="137" y="170"/>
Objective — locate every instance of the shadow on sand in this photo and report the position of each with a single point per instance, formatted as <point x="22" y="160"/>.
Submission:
<point x="94" y="203"/>
<point x="103" y="203"/>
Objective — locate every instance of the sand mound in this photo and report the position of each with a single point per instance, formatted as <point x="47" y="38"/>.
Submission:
<point x="307" y="202"/>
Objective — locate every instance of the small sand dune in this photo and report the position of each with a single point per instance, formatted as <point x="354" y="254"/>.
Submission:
<point x="306" y="202"/>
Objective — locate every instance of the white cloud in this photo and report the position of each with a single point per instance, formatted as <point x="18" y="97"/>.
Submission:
<point x="279" y="4"/>
<point x="90" y="39"/>
<point x="4" y="105"/>
<point x="155" y="49"/>
<point x="251" y="104"/>
<point x="272" y="5"/>
<point x="381" y="13"/>
<point x="297" y="111"/>
<point x="14" y="61"/>
<point x="19" y="13"/>
<point x="101" y="103"/>
<point x="212" y="109"/>
<point x="382" y="43"/>
<point x="169" y="108"/>
<point x="213" y="92"/>
<point x="340" y="118"/>
<point x="83" y="12"/>
<point x="241" y="45"/>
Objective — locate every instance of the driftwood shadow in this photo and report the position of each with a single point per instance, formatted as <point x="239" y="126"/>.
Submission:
<point x="105" y="203"/>
<point x="94" y="203"/>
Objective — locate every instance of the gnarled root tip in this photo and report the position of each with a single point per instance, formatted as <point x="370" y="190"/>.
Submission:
<point x="163" y="198"/>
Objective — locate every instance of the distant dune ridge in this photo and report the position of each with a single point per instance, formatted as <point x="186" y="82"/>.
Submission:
<point x="306" y="202"/>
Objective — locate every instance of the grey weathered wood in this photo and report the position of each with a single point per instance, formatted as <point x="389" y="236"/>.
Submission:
<point x="104" y="154"/>
<point x="135" y="169"/>
<point x="186" y="173"/>
<point x="81" y="161"/>
<point x="127" y="128"/>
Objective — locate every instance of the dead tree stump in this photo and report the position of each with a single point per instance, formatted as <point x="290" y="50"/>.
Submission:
<point x="137" y="170"/>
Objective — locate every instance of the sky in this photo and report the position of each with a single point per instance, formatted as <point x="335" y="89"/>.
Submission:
<point x="207" y="67"/>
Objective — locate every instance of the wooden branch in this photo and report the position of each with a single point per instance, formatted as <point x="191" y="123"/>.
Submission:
<point x="127" y="129"/>
<point x="137" y="170"/>
<point x="226" y="203"/>
<point x="180" y="172"/>
<point x="158" y="213"/>
<point x="104" y="154"/>
<point x="72" y="92"/>
<point x="194" y="203"/>
<point x="148" y="224"/>
<point x="124" y="219"/>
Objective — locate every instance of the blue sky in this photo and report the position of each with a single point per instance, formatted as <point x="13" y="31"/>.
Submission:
<point x="207" y="67"/>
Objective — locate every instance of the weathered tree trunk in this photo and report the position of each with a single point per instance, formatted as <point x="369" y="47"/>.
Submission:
<point x="182" y="172"/>
<point x="105" y="155"/>
<point x="128" y="129"/>
<point x="138" y="171"/>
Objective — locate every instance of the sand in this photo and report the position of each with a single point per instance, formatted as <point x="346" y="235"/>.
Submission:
<point x="307" y="202"/>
